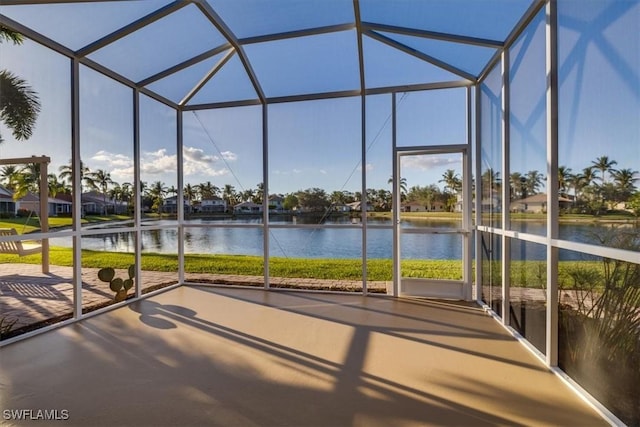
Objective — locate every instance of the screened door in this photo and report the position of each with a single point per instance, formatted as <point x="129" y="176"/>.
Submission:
<point x="432" y="223"/>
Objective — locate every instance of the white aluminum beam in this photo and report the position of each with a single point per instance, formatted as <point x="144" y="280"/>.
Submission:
<point x="478" y="195"/>
<point x="363" y="142"/>
<point x="420" y="55"/>
<point x="217" y="21"/>
<point x="552" y="179"/>
<point x="132" y="27"/>
<point x="76" y="189"/>
<point x="496" y="44"/>
<point x="533" y="10"/>
<point x="185" y="64"/>
<point x="207" y="77"/>
<point x="265" y="196"/>
<point x="297" y="33"/>
<point x="467" y="256"/>
<point x="137" y="203"/>
<point x="395" y="194"/>
<point x="7" y="22"/>
<point x="505" y="214"/>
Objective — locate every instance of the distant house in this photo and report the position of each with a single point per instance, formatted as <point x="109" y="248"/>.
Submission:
<point x="413" y="207"/>
<point x="276" y="203"/>
<point x="491" y="203"/>
<point x="170" y="205"/>
<point x="459" y="203"/>
<point x="338" y="207"/>
<point x="56" y="206"/>
<point x="434" y="206"/>
<point x="247" y="207"/>
<point x="7" y="205"/>
<point x="437" y="206"/>
<point x="537" y="204"/>
<point x="357" y="206"/>
<point x="213" y="204"/>
<point x="94" y="203"/>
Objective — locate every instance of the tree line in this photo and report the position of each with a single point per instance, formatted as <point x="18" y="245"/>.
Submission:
<point x="594" y="189"/>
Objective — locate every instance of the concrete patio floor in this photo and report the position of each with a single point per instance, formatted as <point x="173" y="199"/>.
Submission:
<point x="30" y="297"/>
<point x="196" y="356"/>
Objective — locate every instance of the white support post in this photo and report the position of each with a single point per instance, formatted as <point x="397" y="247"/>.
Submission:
<point x="180" y="199"/>
<point x="137" y="202"/>
<point x="44" y="214"/>
<point x="265" y="200"/>
<point x="552" y="179"/>
<point x="77" y="188"/>
<point x="395" y="200"/>
<point x="466" y="205"/>
<point x="363" y="112"/>
<point x="505" y="196"/>
<point x="478" y="194"/>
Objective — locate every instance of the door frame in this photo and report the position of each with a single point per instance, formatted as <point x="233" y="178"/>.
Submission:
<point x="463" y="287"/>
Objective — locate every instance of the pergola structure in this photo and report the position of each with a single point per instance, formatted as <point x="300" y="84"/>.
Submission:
<point x="192" y="56"/>
<point x="43" y="195"/>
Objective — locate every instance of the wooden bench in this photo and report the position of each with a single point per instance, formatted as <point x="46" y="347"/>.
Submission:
<point x="16" y="246"/>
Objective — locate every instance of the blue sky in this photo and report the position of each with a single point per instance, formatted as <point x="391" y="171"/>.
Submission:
<point x="318" y="143"/>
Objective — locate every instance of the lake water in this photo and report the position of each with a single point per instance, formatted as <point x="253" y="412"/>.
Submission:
<point x="321" y="242"/>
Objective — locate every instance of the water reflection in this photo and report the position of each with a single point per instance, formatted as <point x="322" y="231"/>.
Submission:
<point x="329" y="242"/>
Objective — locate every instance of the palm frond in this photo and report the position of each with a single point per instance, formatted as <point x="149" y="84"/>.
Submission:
<point x="10" y="35"/>
<point x="19" y="105"/>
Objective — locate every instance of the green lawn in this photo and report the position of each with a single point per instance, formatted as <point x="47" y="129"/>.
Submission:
<point x="28" y="225"/>
<point x="523" y="273"/>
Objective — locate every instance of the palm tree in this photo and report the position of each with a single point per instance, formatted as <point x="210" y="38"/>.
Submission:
<point x="100" y="181"/>
<point x="56" y="186"/>
<point x="190" y="193"/>
<point x="229" y="194"/>
<point x="116" y="194"/>
<point x="338" y="198"/>
<point x="583" y="180"/>
<point x="403" y="187"/>
<point x="490" y="181"/>
<point x="384" y="199"/>
<point x="452" y="181"/>
<point x="258" y="196"/>
<point x="604" y="165"/>
<point x="126" y="194"/>
<point x="624" y="181"/>
<point x="247" y="195"/>
<point x="157" y="192"/>
<point x="564" y="179"/>
<point x="625" y="178"/>
<point x="516" y="183"/>
<point x="28" y="181"/>
<point x="10" y="176"/>
<point x="19" y="104"/>
<point x="172" y="190"/>
<point x="533" y="181"/>
<point x="207" y="190"/>
<point x="66" y="174"/>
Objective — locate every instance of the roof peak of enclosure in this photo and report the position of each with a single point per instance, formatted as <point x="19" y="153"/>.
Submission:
<point x="276" y="49"/>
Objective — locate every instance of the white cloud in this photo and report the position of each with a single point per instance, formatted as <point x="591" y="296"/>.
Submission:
<point x="113" y="160"/>
<point x="368" y="168"/>
<point x="198" y="155"/>
<point x="157" y="163"/>
<point x="323" y="172"/>
<point x="197" y="162"/>
<point x="428" y="162"/>
<point x="119" y="166"/>
<point x="230" y="156"/>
